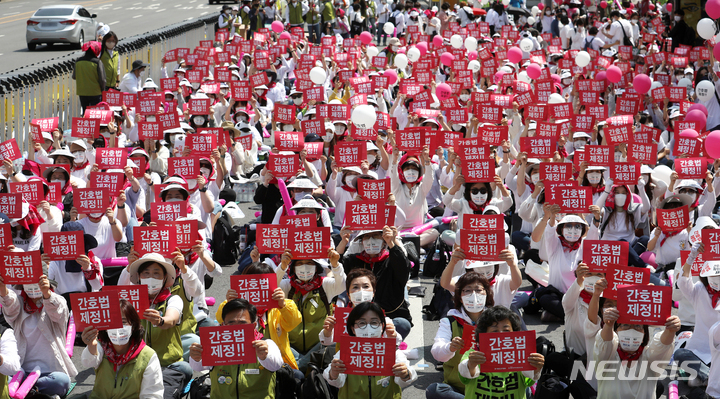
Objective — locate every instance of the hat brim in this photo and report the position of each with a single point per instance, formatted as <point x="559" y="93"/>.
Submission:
<point x="169" y="269"/>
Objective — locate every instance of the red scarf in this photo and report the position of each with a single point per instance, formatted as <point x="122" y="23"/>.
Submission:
<point x="530" y="185"/>
<point x="714" y="294"/>
<point x="371" y="260"/>
<point x="569" y="246"/>
<point x="29" y="304"/>
<point x="305" y="287"/>
<point x="628" y="356"/>
<point x="668" y="235"/>
<point x="94" y="271"/>
<point x="348" y="188"/>
<point x="120" y="360"/>
<point x="597" y="190"/>
<point x="586" y="296"/>
<point x="191" y="258"/>
<point x="32" y="221"/>
<point x="161" y="297"/>
<point x="82" y="166"/>
<point x="477" y="209"/>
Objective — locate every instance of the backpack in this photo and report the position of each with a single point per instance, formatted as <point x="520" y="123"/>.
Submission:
<point x="392" y="19"/>
<point x="440" y="304"/>
<point x="286" y="385"/>
<point x="626" y="39"/>
<point x="225" y="241"/>
<point x="315" y="385"/>
<point x="200" y="387"/>
<point x="588" y="44"/>
<point x="434" y="267"/>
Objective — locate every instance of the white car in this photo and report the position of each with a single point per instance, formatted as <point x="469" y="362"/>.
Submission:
<point x="61" y="24"/>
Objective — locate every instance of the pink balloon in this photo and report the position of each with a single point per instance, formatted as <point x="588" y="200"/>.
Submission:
<point x="614" y="74"/>
<point x="437" y="41"/>
<point x="541" y="6"/>
<point x="668" y="7"/>
<point x="712" y="144"/>
<point x="472" y="55"/>
<point x="651" y="6"/>
<point x="285" y="35"/>
<point x="423" y="47"/>
<point x="588" y="3"/>
<point x="402" y="50"/>
<point x="716" y="51"/>
<point x="499" y="76"/>
<point x="277" y="26"/>
<point x="366" y="37"/>
<point x="642" y="83"/>
<point x="514" y="55"/>
<point x="689" y="133"/>
<point x="603" y="4"/>
<point x="712" y="7"/>
<point x="443" y="91"/>
<point x="446" y="58"/>
<point x="533" y="70"/>
<point x="697" y="116"/>
<point x="555" y="78"/>
<point x="391" y="75"/>
<point x="699" y="107"/>
<point x="601" y="75"/>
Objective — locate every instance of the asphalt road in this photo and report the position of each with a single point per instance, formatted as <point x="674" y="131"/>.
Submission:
<point x="126" y="18"/>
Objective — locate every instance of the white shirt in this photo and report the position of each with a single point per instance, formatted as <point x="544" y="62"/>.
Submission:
<point x="576" y="312"/>
<point x="333" y="286"/>
<point x="399" y="358"/>
<point x="706" y="316"/>
<point x="151" y="386"/>
<point x="713" y="388"/>
<point x="130" y="83"/>
<point x="102" y="231"/>
<point x="9" y="353"/>
<point x="412" y="201"/>
<point x="563" y="264"/>
<point x="72" y="282"/>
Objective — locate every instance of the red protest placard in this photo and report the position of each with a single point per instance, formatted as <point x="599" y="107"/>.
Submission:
<point x="373" y="189"/>
<point x="21" y="267"/>
<point x="149" y="131"/>
<point x="136" y="294"/>
<point x="507" y="351"/>
<point x="256" y="289"/>
<point x="91" y="200"/>
<point x="32" y="191"/>
<point x="289" y="141"/>
<point x="314" y="150"/>
<point x="468" y="337"/>
<point x="100" y="310"/>
<point x="340" y="331"/>
<point x="368" y="356"/>
<point x="409" y="140"/>
<point x="687" y="145"/>
<point x="620" y="275"/>
<point x="199" y="106"/>
<point x="482" y="245"/>
<point x="9" y="150"/>
<point x="625" y="173"/>
<point x="168" y="211"/>
<point x="350" y="153"/>
<point x="597" y="254"/>
<point x="696" y="266"/>
<point x="36" y="133"/>
<point x="228" y="345"/>
<point x="85" y="128"/>
<point x="112" y="181"/>
<point x="186" y="232"/>
<point x="201" y="144"/>
<point x="645" y="154"/>
<point x="711" y="241"/>
<point x="483" y="222"/>
<point x="64" y="245"/>
<point x="167" y="121"/>
<point x="47" y="124"/>
<point x="187" y="167"/>
<point x="309" y="242"/>
<point x="644" y="304"/>
<point x="492" y="135"/>
<point x="169" y="84"/>
<point x="538" y="147"/>
<point x="111" y="158"/>
<point x="555" y="171"/>
<point x="368" y="215"/>
<point x="148" y="106"/>
<point x="571" y="199"/>
<point x="283" y="165"/>
<point x="670" y="220"/>
<point x="154" y="239"/>
<point x="139" y="166"/>
<point x="690" y="168"/>
<point x="616" y="135"/>
<point x="271" y="238"/>
<point x="240" y="90"/>
<point x="599" y="154"/>
<point x="298" y="220"/>
<point x="11" y="205"/>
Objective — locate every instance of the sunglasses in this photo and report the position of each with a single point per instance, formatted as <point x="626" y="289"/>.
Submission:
<point x="476" y="191"/>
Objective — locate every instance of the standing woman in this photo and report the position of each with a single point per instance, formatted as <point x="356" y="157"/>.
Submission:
<point x="89" y="75"/>
<point x="110" y="60"/>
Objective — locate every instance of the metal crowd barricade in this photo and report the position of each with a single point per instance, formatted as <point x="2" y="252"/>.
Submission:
<point x="46" y="89"/>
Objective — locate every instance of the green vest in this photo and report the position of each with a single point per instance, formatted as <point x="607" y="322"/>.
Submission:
<point x="237" y="383"/>
<point x="244" y="17"/>
<point x="450" y="371"/>
<point x="4" y="393"/>
<point x="126" y="382"/>
<point x="188" y="324"/>
<point x="360" y="386"/>
<point x="166" y="343"/>
<point x="295" y="14"/>
<point x="312" y="18"/>
<point x="111" y="67"/>
<point x="87" y="79"/>
<point x="328" y="12"/>
<point x="313" y="310"/>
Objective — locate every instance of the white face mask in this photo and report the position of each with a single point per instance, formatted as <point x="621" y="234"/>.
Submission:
<point x="373" y="246"/>
<point x="288" y="128"/>
<point x="646" y="178"/>
<point x="328" y="137"/>
<point x="120" y="336"/>
<point x="205" y="172"/>
<point x="394" y="48"/>
<point x="299" y="196"/>
<point x="62" y="182"/>
<point x="192" y="183"/>
<point x="594" y="178"/>
<point x="572" y="234"/>
<point x="259" y="92"/>
<point x="33" y="291"/>
<point x="589" y="283"/>
<point x="535" y="178"/>
<point x="110" y="45"/>
<point x="198" y="120"/>
<point x="634" y="21"/>
<point x="577" y="144"/>
<point x="464" y="97"/>
<point x="567" y="81"/>
<point x="714" y="282"/>
<point x="96" y="215"/>
<point x="618" y="156"/>
<point x="339" y="130"/>
<point x="298" y="100"/>
<point x="620" y="199"/>
<point x="174" y="200"/>
<point x="474" y="303"/>
<point x="677" y="18"/>
<point x="478" y="198"/>
<point x="369" y="331"/>
<point x="361" y="296"/>
<point x="486" y="271"/>
<point x="154" y="285"/>
<point x="79" y="156"/>
<point x="371" y="159"/>
<point x="411" y="175"/>
<point x="456" y="127"/>
<point x="350" y="181"/>
<point x="630" y="340"/>
<point x="305" y="272"/>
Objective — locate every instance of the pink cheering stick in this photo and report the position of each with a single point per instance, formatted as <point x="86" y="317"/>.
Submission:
<point x="29" y="382"/>
<point x="15" y="383"/>
<point x="673" y="390"/>
<point x="111" y="262"/>
<point x="70" y="337"/>
<point x="286" y="197"/>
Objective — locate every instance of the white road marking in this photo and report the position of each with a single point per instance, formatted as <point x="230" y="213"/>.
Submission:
<point x="113" y="23"/>
<point x="117" y="8"/>
<point x="2" y="35"/>
<point x="160" y="10"/>
<point x="204" y="13"/>
<point x="137" y="16"/>
<point x="137" y="4"/>
<point x="12" y="13"/>
<point x="177" y="5"/>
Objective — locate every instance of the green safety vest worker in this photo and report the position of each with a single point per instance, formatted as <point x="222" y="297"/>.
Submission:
<point x="124" y="383"/>
<point x="314" y="310"/>
<point x="313" y="17"/>
<point x="328" y="13"/>
<point x="295" y="13"/>
<point x="166" y="343"/>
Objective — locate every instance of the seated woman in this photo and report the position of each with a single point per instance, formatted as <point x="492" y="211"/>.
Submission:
<point x="367" y="320"/>
<point x="122" y="356"/>
<point x="254" y="380"/>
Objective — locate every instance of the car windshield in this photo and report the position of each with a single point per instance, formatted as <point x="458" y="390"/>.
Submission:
<point x="53" y="12"/>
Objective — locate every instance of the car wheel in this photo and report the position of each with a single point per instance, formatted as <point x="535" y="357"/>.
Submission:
<point x="31" y="46"/>
<point x="80" y="43"/>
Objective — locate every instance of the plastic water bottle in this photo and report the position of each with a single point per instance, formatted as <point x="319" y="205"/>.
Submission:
<point x="436" y="255"/>
<point x="243" y="238"/>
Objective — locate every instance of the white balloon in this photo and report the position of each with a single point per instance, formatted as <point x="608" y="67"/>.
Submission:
<point x="318" y="75"/>
<point x="471" y="43"/>
<point x="535" y="10"/>
<point x="685" y="82"/>
<point x="655" y="85"/>
<point x="435" y="21"/>
<point x="582" y="59"/>
<point x="506" y="2"/>
<point x="474" y="65"/>
<point x="531" y="20"/>
<point x="456" y="41"/>
<point x="389" y="28"/>
<point x="556" y="98"/>
<point x="413" y="54"/>
<point x="401" y="61"/>
<point x="526" y="45"/>
<point x="662" y="172"/>
<point x="523" y="77"/>
<point x="364" y="116"/>
<point x="372" y="51"/>
<point x="704" y="90"/>
<point x="706" y="28"/>
<point x="506" y="69"/>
